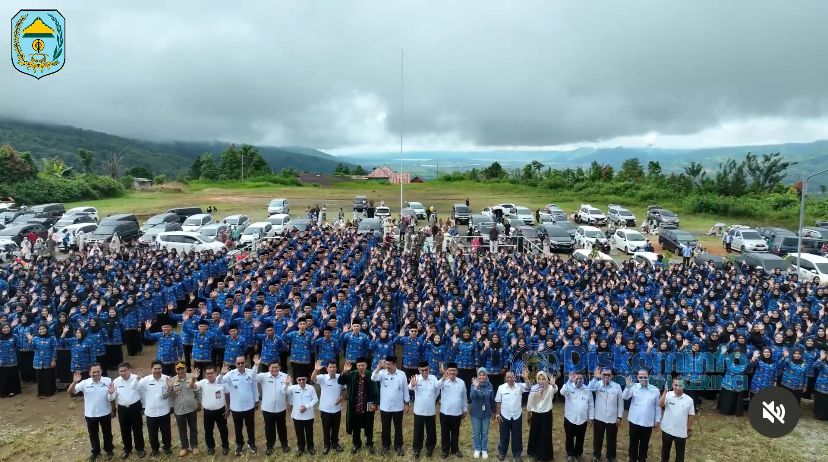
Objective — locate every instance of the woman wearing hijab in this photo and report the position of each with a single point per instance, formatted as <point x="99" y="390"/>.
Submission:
<point x="23" y="330"/>
<point x="62" y="371"/>
<point x="734" y="380"/>
<point x="114" y="350"/>
<point x="762" y="369"/>
<point x="792" y="371"/>
<point x="45" y="360"/>
<point x="381" y="347"/>
<point x="539" y="408"/>
<point x="464" y="352"/>
<point x="480" y="410"/>
<point x="81" y="355"/>
<point x="821" y="387"/>
<point x="810" y="354"/>
<point x="9" y="372"/>
<point x="96" y="338"/>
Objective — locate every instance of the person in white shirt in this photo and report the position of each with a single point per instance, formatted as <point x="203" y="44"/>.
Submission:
<point x="213" y="402"/>
<point x="539" y="407"/>
<point x="301" y="399"/>
<point x="243" y="400"/>
<point x="274" y="406"/>
<point x="96" y="409"/>
<point x="157" y="406"/>
<point x="394" y="398"/>
<point x="453" y="406"/>
<point x="128" y="398"/>
<point x="424" y="386"/>
<point x="677" y="420"/>
<point x="644" y="414"/>
<point x="331" y="395"/>
<point x="508" y="414"/>
<point x="609" y="411"/>
<point x="578" y="414"/>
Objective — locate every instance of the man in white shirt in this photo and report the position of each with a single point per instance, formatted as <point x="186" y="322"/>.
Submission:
<point x="214" y="404"/>
<point x="96" y="409"/>
<point x="609" y="410"/>
<point x="578" y="413"/>
<point x="331" y="395"/>
<point x="677" y="421"/>
<point x="128" y="397"/>
<point x="243" y="399"/>
<point x="274" y="406"/>
<point x="301" y="399"/>
<point x="508" y="414"/>
<point x="453" y="406"/>
<point x="424" y="387"/>
<point x="394" y="398"/>
<point x="644" y="414"/>
<point x="157" y="406"/>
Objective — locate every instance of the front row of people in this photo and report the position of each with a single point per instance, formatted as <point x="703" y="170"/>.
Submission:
<point x="236" y="392"/>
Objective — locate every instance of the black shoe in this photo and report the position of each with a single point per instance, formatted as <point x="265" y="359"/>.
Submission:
<point x="109" y="456"/>
<point x="400" y="452"/>
<point x="167" y="452"/>
<point x="371" y="449"/>
<point x="269" y="451"/>
<point x="429" y="452"/>
<point x="225" y="451"/>
<point x="459" y="454"/>
<point x="286" y="449"/>
<point x="312" y="451"/>
<point x="300" y="453"/>
<point x="253" y="448"/>
<point x="384" y="452"/>
<point x="211" y="451"/>
<point x="338" y="448"/>
<point x="142" y="454"/>
<point x="501" y="457"/>
<point x="125" y="455"/>
<point x="444" y="455"/>
<point x="154" y="453"/>
<point x="416" y="454"/>
<point x="326" y="451"/>
<point x="238" y="451"/>
<point x="93" y="457"/>
<point x="354" y="449"/>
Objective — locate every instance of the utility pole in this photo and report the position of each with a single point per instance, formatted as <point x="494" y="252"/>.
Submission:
<point x="402" y="121"/>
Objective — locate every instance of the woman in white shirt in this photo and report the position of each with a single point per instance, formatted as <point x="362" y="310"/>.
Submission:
<point x="539" y="407"/>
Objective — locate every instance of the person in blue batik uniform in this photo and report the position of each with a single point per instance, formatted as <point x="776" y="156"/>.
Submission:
<point x="170" y="348"/>
<point x="300" y="342"/>
<point x="411" y="346"/>
<point x="821" y="387"/>
<point x="792" y="373"/>
<point x="355" y="343"/>
<point x="763" y="370"/>
<point x="9" y="372"/>
<point x="464" y="353"/>
<point x="96" y="337"/>
<point x="81" y="356"/>
<point x="327" y="348"/>
<point x="381" y="347"/>
<point x="45" y="360"/>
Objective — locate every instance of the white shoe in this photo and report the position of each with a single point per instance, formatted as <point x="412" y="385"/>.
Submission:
<point x="484" y="455"/>
<point x="476" y="454"/>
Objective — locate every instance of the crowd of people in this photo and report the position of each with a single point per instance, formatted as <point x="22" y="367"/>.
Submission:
<point x="485" y="335"/>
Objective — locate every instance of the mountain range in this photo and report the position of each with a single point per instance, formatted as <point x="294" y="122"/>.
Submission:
<point x="44" y="141"/>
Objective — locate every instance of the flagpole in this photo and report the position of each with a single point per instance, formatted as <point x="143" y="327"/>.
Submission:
<point x="402" y="121"/>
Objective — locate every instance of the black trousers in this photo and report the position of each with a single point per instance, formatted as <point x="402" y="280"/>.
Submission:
<point x="168" y="369"/>
<point x="275" y="422"/>
<point x="132" y="338"/>
<point x="304" y="433"/>
<point x="46" y="381"/>
<point x="667" y="443"/>
<point x="450" y="433"/>
<point x="425" y="424"/>
<point x="599" y="429"/>
<point x="132" y="428"/>
<point x="215" y="417"/>
<point x="330" y="428"/>
<point x="387" y="418"/>
<point x="188" y="353"/>
<point x="218" y="356"/>
<point x="574" y="437"/>
<point x="105" y="425"/>
<point x="362" y="423"/>
<point x="244" y="418"/>
<point x="639" y="442"/>
<point x="162" y="424"/>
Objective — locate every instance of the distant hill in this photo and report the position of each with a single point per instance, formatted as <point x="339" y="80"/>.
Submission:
<point x="171" y="158"/>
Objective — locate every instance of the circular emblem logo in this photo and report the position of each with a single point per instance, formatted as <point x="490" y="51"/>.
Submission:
<point x="774" y="412"/>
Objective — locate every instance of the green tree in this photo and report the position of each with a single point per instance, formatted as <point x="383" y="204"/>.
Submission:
<point x="195" y="169"/>
<point x="359" y="170"/>
<point x="86" y="158"/>
<point x="209" y="171"/>
<point x="13" y="167"/>
<point x="494" y="172"/>
<point x="595" y="172"/>
<point x="342" y="170"/>
<point x="631" y="170"/>
<point x="138" y="171"/>
<point x="767" y="171"/>
<point x="254" y="163"/>
<point x="654" y="171"/>
<point x="731" y="179"/>
<point x="55" y="166"/>
<point x="695" y="171"/>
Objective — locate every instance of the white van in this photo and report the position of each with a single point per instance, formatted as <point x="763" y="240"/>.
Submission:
<point x="186" y="241"/>
<point x="196" y="221"/>
<point x="280" y="221"/>
<point x="279" y="205"/>
<point x="814" y="268"/>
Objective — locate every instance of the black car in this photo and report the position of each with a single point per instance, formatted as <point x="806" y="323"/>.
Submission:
<point x="67" y="220"/>
<point x="768" y="262"/>
<point x="674" y="239"/>
<point x="558" y="238"/>
<point x="783" y="245"/>
<point x="661" y="216"/>
<point x="17" y="233"/>
<point x="159" y="219"/>
<point x="55" y="210"/>
<point x="360" y="203"/>
<point x="126" y="230"/>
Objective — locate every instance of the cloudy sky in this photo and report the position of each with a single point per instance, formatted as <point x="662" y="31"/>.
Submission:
<point x="523" y="74"/>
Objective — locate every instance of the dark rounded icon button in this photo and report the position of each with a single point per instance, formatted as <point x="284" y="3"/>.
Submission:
<point x="774" y="412"/>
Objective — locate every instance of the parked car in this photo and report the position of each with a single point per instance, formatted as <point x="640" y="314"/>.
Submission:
<point x="500" y="211"/>
<point x="569" y="226"/>
<point x="237" y="221"/>
<point x="620" y="216"/>
<point x="196" y="221"/>
<point x="185" y="212"/>
<point x="590" y="215"/>
<point x="279" y="205"/>
<point x="661" y="216"/>
<point x="54" y="209"/>
<point x="746" y="239"/>
<point x="812" y="268"/>
<point x="255" y="232"/>
<point x="28" y="216"/>
<point x="280" y="222"/>
<point x="370" y="225"/>
<point x="783" y="245"/>
<point x="648" y="259"/>
<point x="461" y="213"/>
<point x="418" y="208"/>
<point x="767" y="261"/>
<point x="159" y="219"/>
<point x="126" y="230"/>
<point x="815" y="246"/>
<point x="583" y="255"/>
<point x="67" y="220"/>
<point x="382" y="212"/>
<point x="8" y="216"/>
<point x="19" y="232"/>
<point x="525" y="235"/>
<point x="74" y="229"/>
<point x="815" y="233"/>
<point x="360" y="203"/>
<point x="483" y="229"/>
<point x="770" y="233"/>
<point x="523" y="214"/>
<point x="821" y="223"/>
<point x="589" y="235"/>
<point x="628" y="240"/>
<point x="152" y="233"/>
<point x="187" y="241"/>
<point x="479" y="220"/>
<point x="719" y="262"/>
<point x="121" y="217"/>
<point x="299" y="224"/>
<point x="91" y="211"/>
<point x="48" y="222"/>
<point x="213" y="230"/>
<point x="8" y="250"/>
<point x="551" y="213"/>
<point x="411" y="213"/>
<point x="674" y="239"/>
<point x="558" y="238"/>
